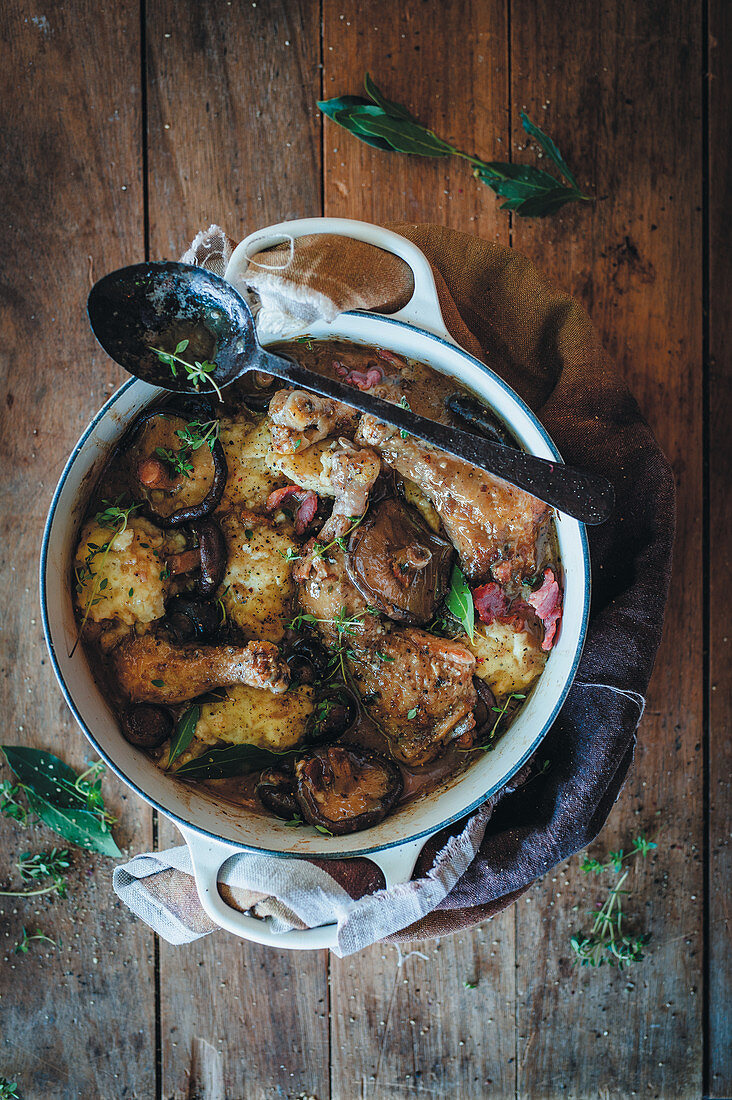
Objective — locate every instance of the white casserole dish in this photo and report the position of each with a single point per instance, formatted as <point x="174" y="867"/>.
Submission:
<point x="215" y="831"/>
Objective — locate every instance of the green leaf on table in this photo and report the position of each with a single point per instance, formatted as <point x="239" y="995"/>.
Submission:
<point x="549" y="148"/>
<point x="228" y="761"/>
<point x="460" y="601"/>
<point x="45" y="774"/>
<point x="386" y="125"/>
<point x="402" y="135"/>
<point x="387" y="105"/>
<point x="81" y="827"/>
<point x="70" y="804"/>
<point x="530" y="192"/>
<point x="184" y="732"/>
<point x="339" y="110"/>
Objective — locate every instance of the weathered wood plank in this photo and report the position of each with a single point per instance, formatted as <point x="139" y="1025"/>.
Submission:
<point x="414" y="1029"/>
<point x="233" y="138"/>
<point x="448" y="64"/>
<point x="719" y="1082"/>
<point x="72" y="208"/>
<point x="233" y="131"/>
<point x="617" y="85"/>
<point x="407" y="1021"/>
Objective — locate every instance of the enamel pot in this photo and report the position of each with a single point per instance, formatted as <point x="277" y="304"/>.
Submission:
<point x="216" y="831"/>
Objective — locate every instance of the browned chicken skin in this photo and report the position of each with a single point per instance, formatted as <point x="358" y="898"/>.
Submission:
<point x="152" y="670"/>
<point x="494" y="526"/>
<point x="399" y="670"/>
<point x="300" y="418"/>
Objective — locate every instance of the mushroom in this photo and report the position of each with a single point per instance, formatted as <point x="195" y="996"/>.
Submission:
<point x="146" y="726"/>
<point x="276" y="791"/>
<point x="346" y="789"/>
<point x="307" y="660"/>
<point x="191" y="619"/>
<point x="209" y="556"/>
<point x="212" y="547"/>
<point x="398" y="564"/>
<point x="257" y="389"/>
<point x="179" y="484"/>
<point x="334" y="714"/>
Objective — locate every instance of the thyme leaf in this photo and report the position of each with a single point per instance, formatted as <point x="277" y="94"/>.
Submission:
<point x="197" y="372"/>
<point x="607" y="943"/>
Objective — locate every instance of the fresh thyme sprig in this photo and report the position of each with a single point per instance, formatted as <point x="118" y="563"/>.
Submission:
<point x="21" y="947"/>
<point x="178" y="462"/>
<point x="194" y="435"/>
<point x="53" y="864"/>
<point x="500" y="712"/>
<point x="9" y="804"/>
<point x="197" y="372"/>
<point x="118" y="519"/>
<point x="606" y="942"/>
<point x="319" y="550"/>
<point x="9" y="1089"/>
<point x="197" y="432"/>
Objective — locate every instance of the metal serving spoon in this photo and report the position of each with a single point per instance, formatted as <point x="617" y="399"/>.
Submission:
<point x="156" y="305"/>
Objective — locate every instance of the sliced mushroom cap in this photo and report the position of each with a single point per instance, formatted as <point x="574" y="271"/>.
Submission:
<point x="398" y="564"/>
<point x="178" y="484"/>
<point x="256" y="389"/>
<point x="307" y="660"/>
<point x="189" y="619"/>
<point x="212" y="547"/>
<point x="276" y="791"/>
<point x="344" y="789"/>
<point x="146" y="726"/>
<point x="335" y="712"/>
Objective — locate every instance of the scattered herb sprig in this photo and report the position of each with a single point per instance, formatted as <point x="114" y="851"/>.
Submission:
<point x="70" y="804"/>
<point x="528" y="191"/>
<point x="197" y="371"/>
<point x="606" y="943"/>
<point x="116" y="518"/>
<point x="21" y="947"/>
<point x="194" y="435"/>
<point x="53" y="865"/>
<point x="9" y="1089"/>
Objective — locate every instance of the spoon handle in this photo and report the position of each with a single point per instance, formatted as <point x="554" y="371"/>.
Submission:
<point x="587" y="497"/>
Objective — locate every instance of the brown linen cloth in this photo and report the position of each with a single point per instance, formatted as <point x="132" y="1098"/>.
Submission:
<point x="501" y="309"/>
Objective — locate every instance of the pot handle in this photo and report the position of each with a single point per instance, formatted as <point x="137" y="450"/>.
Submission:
<point x="423" y="308"/>
<point x="209" y="855"/>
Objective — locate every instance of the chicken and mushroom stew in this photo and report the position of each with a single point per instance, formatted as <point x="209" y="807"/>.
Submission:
<point x="312" y="613"/>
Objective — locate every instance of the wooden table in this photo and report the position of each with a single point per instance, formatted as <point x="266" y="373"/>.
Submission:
<point x="129" y="126"/>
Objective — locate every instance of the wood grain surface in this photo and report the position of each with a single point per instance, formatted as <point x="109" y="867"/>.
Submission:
<point x="72" y="208"/>
<point x="718" y="529"/>
<point x="624" y="259"/>
<point x="127" y="128"/>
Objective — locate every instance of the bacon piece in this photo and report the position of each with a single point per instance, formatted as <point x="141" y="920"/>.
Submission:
<point x="307" y="504"/>
<point x="363" y="380"/>
<point x="493" y="605"/>
<point x="547" y="603"/>
<point x="491" y="602"/>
